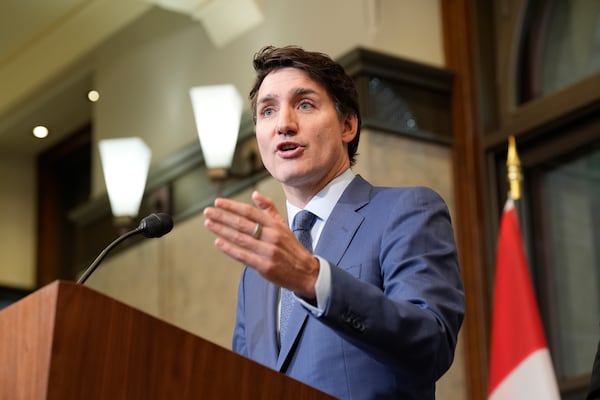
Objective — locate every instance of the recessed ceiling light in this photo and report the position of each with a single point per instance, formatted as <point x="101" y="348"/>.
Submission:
<point x="93" y="96"/>
<point x="40" y="131"/>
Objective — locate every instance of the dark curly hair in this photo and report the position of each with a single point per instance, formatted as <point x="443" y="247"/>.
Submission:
<point x="321" y="68"/>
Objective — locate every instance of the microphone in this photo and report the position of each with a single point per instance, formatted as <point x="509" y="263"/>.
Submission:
<point x="156" y="225"/>
<point x="153" y="226"/>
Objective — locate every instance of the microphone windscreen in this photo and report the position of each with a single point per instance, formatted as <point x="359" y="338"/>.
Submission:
<point x="155" y="225"/>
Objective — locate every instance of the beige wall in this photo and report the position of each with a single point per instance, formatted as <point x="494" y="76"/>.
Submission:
<point x="17" y="229"/>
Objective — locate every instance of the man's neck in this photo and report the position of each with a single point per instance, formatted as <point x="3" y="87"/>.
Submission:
<point x="300" y="196"/>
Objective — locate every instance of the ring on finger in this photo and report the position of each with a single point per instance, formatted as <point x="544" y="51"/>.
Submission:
<point x="257" y="231"/>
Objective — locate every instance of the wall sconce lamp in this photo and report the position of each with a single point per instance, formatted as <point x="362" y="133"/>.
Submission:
<point x="217" y="112"/>
<point x="125" y="163"/>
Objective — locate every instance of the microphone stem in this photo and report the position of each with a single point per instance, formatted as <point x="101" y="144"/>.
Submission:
<point x="101" y="256"/>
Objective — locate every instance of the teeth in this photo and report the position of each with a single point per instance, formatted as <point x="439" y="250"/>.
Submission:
<point x="288" y="147"/>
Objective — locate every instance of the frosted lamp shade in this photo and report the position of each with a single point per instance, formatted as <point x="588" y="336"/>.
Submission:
<point x="125" y="163"/>
<point x="218" y="112"/>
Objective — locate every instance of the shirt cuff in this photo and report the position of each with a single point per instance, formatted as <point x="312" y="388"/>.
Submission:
<point x="322" y="289"/>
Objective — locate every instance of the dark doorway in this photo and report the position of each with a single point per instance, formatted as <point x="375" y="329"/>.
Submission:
<point x="63" y="183"/>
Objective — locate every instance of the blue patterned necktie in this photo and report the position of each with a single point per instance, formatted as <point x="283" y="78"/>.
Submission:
<point x="301" y="226"/>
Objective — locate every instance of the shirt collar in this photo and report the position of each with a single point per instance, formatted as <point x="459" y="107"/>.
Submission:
<point x="323" y="202"/>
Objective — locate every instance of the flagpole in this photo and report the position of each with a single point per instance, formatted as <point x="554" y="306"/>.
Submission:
<point x="513" y="165"/>
<point x="514" y="175"/>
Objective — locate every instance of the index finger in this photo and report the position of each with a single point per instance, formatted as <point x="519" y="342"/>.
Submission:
<point x="236" y="207"/>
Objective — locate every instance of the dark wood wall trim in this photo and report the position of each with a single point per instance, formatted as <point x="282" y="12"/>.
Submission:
<point x="467" y="163"/>
<point x="400" y="96"/>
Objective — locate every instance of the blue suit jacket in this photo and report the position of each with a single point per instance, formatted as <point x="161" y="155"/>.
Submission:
<point x="390" y="327"/>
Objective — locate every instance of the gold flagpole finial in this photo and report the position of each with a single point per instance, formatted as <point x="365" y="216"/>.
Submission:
<point x="513" y="165"/>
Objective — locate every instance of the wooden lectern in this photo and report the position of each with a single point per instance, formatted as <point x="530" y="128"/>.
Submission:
<point x="67" y="341"/>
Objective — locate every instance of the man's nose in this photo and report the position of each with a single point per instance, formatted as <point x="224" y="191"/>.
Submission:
<point x="286" y="122"/>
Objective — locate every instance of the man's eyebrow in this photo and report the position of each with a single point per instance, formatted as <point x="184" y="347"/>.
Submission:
<point x="298" y="92"/>
<point x="266" y="98"/>
<point x="303" y="91"/>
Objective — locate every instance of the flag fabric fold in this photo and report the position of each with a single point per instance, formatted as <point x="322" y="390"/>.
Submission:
<point x="520" y="363"/>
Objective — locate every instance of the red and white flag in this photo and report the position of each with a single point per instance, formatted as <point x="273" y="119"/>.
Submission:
<point x="520" y="363"/>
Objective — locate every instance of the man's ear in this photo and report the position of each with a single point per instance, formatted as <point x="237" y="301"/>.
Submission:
<point x="350" y="127"/>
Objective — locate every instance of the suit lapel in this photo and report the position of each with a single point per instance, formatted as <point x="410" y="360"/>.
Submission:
<point x="343" y="221"/>
<point x="335" y="239"/>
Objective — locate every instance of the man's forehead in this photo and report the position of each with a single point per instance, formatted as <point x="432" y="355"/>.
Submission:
<point x="289" y="81"/>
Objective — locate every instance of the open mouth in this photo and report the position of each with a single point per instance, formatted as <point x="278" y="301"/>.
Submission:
<point x="290" y="150"/>
<point x="287" y="147"/>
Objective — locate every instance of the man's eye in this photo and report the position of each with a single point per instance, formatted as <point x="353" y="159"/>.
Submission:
<point x="305" y="105"/>
<point x="267" y="112"/>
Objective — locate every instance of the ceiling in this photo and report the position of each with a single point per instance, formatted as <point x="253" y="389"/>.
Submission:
<point x="39" y="41"/>
<point x="43" y="46"/>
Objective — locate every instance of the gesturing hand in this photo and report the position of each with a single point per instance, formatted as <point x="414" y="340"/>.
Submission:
<point x="260" y="238"/>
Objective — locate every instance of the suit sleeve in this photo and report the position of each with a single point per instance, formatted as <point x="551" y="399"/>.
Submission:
<point x="401" y="300"/>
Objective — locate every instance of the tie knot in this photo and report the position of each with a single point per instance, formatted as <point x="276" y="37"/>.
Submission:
<point x="303" y="221"/>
